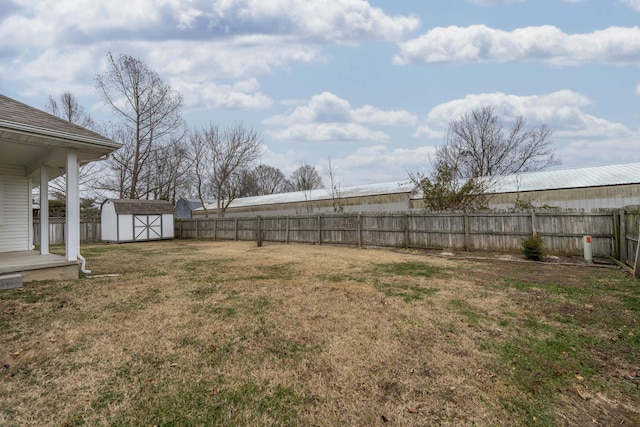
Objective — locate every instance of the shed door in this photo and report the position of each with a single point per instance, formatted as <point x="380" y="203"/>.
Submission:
<point x="147" y="227"/>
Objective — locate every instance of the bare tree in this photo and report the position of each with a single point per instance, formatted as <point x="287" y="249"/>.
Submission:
<point x="168" y="172"/>
<point x="119" y="163"/>
<point x="331" y="169"/>
<point x="304" y="178"/>
<point x="269" y="180"/>
<point x="68" y="108"/>
<point x="229" y="154"/>
<point x="480" y="146"/>
<point x="149" y="107"/>
<point x="479" y="150"/>
<point x="200" y="157"/>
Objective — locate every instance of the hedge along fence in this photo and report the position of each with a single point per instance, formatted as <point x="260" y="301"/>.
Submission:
<point x="562" y="232"/>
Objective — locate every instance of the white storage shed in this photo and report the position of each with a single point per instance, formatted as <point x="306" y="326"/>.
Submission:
<point x="125" y="220"/>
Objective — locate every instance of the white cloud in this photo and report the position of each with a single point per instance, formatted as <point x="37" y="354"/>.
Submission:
<point x="185" y="41"/>
<point x="328" y="132"/>
<point x="363" y="165"/>
<point x="327" y="117"/>
<point x="345" y="21"/>
<point x="584" y="151"/>
<point x="495" y="2"/>
<point x="426" y="131"/>
<point x="562" y="111"/>
<point x="240" y="95"/>
<point x="369" y="114"/>
<point x="633" y="4"/>
<point x="49" y="24"/>
<point x="479" y="43"/>
<point x="66" y="70"/>
<point x="190" y="66"/>
<point x="327" y="107"/>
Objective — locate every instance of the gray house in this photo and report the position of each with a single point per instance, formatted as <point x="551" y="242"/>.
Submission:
<point x="184" y="207"/>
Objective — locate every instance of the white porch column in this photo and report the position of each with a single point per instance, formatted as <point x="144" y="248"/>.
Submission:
<point x="44" y="210"/>
<point x="72" y="239"/>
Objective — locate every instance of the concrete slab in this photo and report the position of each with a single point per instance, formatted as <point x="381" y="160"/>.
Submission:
<point x="10" y="281"/>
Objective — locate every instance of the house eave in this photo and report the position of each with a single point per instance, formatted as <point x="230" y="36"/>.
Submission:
<point x="44" y="136"/>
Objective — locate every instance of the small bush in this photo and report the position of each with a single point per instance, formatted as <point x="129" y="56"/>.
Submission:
<point x="533" y="248"/>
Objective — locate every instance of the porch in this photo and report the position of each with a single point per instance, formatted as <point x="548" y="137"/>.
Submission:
<point x="34" y="266"/>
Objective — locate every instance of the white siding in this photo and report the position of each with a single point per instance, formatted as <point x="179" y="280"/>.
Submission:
<point x="125" y="228"/>
<point x="15" y="193"/>
<point x="167" y="226"/>
<point x="109" y="226"/>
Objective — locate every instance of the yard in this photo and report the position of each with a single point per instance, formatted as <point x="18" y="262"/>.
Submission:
<point x="232" y="334"/>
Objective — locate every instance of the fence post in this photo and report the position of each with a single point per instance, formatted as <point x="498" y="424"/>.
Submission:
<point x="259" y="232"/>
<point x="197" y="229"/>
<point x="636" y="264"/>
<point x="466" y="231"/>
<point x="616" y="235"/>
<point x="533" y="222"/>
<point x="286" y="233"/>
<point x="359" y="230"/>
<point x="235" y="233"/>
<point x="215" y="229"/>
<point x="406" y="231"/>
<point x="623" y="236"/>
<point x="319" y="230"/>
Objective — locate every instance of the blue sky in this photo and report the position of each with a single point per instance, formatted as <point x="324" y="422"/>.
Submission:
<point x="370" y="84"/>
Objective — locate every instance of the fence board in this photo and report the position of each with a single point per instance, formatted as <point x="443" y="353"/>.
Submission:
<point x="631" y="238"/>
<point x="90" y="231"/>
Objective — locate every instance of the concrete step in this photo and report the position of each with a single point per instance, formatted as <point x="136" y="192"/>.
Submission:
<point x="10" y="281"/>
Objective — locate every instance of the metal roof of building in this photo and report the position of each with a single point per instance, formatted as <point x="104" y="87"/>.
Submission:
<point x="592" y="176"/>
<point x="393" y="187"/>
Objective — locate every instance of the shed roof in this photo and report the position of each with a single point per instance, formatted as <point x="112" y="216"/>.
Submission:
<point x="591" y="176"/>
<point x="394" y="187"/>
<point x="141" y="207"/>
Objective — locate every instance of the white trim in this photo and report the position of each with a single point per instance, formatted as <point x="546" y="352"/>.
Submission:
<point x="1" y="201"/>
<point x="44" y="210"/>
<point x="72" y="241"/>
<point x="29" y="213"/>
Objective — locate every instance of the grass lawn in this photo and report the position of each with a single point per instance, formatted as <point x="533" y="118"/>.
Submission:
<point x="231" y="334"/>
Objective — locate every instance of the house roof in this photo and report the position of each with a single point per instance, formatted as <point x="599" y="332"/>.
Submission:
<point x="196" y="203"/>
<point x="393" y="187"/>
<point x="141" y="207"/>
<point x="19" y="116"/>
<point x="30" y="137"/>
<point x="592" y="176"/>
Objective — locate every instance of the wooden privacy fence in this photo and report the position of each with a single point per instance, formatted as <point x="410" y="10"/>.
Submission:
<point x="562" y="232"/>
<point x="629" y="232"/>
<point x="90" y="230"/>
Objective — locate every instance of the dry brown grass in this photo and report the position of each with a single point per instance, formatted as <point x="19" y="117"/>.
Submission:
<point x="224" y="333"/>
